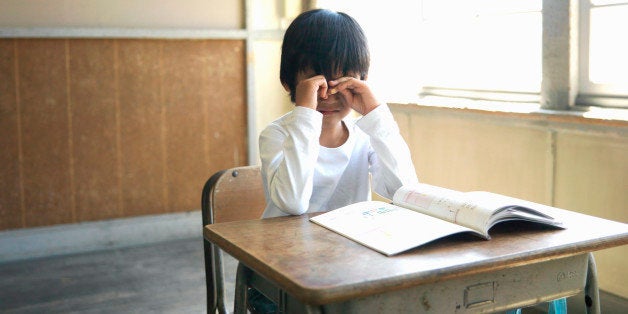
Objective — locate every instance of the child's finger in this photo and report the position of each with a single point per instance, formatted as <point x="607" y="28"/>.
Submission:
<point x="334" y="85"/>
<point x="341" y="84"/>
<point x="340" y="80"/>
<point x="320" y="85"/>
<point x="351" y="85"/>
<point x="308" y="90"/>
<point x="323" y="89"/>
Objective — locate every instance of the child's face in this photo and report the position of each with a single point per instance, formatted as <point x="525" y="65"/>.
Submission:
<point x="334" y="107"/>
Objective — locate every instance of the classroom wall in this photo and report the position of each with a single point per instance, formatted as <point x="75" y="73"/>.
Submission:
<point x="153" y="14"/>
<point x="566" y="162"/>
<point x="97" y="128"/>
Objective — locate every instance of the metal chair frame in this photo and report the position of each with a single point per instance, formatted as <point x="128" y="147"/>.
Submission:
<point x="228" y="195"/>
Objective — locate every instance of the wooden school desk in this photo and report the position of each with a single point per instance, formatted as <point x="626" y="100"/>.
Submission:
<point x="307" y="268"/>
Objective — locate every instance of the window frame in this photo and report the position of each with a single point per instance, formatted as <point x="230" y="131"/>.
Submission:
<point x="590" y="93"/>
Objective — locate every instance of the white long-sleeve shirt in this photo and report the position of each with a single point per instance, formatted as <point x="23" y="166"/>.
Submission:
<point x="301" y="176"/>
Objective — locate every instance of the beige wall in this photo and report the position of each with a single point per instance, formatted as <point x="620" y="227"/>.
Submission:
<point x="270" y="98"/>
<point x="591" y="178"/>
<point x="212" y="14"/>
<point x="569" y="164"/>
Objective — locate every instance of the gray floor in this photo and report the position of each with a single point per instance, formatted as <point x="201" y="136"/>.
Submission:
<point x="163" y="278"/>
<point x="160" y="278"/>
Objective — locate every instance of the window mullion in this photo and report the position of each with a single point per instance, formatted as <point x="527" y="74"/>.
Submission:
<point x="584" y="41"/>
<point x="559" y="85"/>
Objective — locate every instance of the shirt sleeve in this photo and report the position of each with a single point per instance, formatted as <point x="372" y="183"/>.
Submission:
<point x="288" y="151"/>
<point x="390" y="160"/>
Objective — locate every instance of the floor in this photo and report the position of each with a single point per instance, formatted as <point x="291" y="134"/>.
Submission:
<point x="160" y="278"/>
<point x="163" y="278"/>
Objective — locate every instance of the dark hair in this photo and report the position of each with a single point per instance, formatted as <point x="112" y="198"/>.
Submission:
<point x="327" y="42"/>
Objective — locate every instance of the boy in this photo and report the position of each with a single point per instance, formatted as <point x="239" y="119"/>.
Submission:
<point x="316" y="158"/>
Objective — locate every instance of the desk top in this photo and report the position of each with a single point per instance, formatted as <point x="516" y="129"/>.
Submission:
<point x="318" y="266"/>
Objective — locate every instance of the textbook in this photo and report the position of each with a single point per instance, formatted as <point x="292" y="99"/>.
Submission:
<point x="422" y="213"/>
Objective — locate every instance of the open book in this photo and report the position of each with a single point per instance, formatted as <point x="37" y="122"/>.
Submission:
<point x="422" y="213"/>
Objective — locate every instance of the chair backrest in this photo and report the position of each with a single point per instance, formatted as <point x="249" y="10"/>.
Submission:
<point x="229" y="195"/>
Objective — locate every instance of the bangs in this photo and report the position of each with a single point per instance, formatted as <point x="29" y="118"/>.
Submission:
<point x="329" y="43"/>
<point x="335" y="48"/>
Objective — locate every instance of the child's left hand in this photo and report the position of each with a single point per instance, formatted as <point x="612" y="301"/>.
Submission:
<point x="356" y="93"/>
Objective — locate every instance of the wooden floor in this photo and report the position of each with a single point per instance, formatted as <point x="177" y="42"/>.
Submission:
<point x="160" y="278"/>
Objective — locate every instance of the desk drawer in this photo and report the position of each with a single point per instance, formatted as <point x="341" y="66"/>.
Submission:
<point x="501" y="290"/>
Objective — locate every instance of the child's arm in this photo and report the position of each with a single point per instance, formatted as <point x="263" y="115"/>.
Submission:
<point x="391" y="163"/>
<point x="288" y="152"/>
<point x="390" y="159"/>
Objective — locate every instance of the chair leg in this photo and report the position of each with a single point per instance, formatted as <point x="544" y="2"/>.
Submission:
<point x="242" y="277"/>
<point x="558" y="306"/>
<point x="515" y="311"/>
<point x="209" y="277"/>
<point x="219" y="286"/>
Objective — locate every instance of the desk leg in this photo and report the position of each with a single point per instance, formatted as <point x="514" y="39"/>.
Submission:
<point x="591" y="291"/>
<point x="242" y="276"/>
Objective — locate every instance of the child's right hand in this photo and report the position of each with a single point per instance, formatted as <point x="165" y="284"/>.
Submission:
<point x="308" y="90"/>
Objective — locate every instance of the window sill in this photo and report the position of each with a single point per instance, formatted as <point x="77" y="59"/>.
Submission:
<point x="611" y="117"/>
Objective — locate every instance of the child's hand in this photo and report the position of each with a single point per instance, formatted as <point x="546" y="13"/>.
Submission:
<point x="356" y="93"/>
<point x="308" y="91"/>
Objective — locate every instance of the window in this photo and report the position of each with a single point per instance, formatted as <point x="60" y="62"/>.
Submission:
<point x="495" y="50"/>
<point x="481" y="49"/>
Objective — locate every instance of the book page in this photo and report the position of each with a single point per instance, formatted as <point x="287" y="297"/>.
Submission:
<point x="384" y="227"/>
<point x="509" y="208"/>
<point x="446" y="204"/>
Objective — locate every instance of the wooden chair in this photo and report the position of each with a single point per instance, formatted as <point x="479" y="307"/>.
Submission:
<point x="229" y="195"/>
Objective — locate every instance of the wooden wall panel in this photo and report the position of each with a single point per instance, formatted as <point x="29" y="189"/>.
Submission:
<point x="141" y="126"/>
<point x="10" y="204"/>
<point x="205" y="114"/>
<point x="227" y="117"/>
<point x="94" y="129"/>
<point x="186" y="102"/>
<point x="45" y="132"/>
